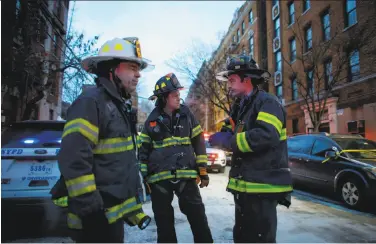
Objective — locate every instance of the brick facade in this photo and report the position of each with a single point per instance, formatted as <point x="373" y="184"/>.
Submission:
<point x="350" y="99"/>
<point x="35" y="31"/>
<point x="348" y="95"/>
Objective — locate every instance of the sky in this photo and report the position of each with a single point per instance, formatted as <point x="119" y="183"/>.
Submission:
<point x="163" y="28"/>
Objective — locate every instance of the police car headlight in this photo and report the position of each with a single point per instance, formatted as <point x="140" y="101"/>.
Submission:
<point x="371" y="172"/>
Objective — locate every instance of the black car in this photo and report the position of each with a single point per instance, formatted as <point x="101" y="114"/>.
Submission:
<point x="344" y="164"/>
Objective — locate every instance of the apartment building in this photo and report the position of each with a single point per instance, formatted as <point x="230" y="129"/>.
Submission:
<point x="33" y="50"/>
<point x="246" y="34"/>
<point x="300" y="30"/>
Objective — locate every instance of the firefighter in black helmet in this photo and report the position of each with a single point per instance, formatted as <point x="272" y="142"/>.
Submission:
<point x="260" y="177"/>
<point x="173" y="156"/>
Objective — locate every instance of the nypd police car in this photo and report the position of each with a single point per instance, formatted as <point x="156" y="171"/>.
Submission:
<point x="29" y="170"/>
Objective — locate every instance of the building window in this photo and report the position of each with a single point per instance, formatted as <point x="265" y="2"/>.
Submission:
<point x="306" y="5"/>
<point x="354" y="66"/>
<point x="308" y="38"/>
<point x="310" y="82"/>
<point x="251" y="46"/>
<point x="234" y="38"/>
<point x="243" y="27"/>
<point x="292" y="50"/>
<point x="291" y="13"/>
<point x="328" y="73"/>
<point x="250" y="16"/>
<point x="56" y="46"/>
<point x="238" y="35"/>
<point x="350" y="17"/>
<point x="325" y="19"/>
<point x="276" y="27"/>
<point x="278" y="91"/>
<point x="295" y="126"/>
<point x="278" y="61"/>
<point x="51" y="114"/>
<point x="294" y="89"/>
<point x="18" y="9"/>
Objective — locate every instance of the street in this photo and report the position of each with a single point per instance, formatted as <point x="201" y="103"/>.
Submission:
<point x="309" y="219"/>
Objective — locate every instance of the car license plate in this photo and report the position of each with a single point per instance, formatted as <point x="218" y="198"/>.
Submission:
<point x="40" y="169"/>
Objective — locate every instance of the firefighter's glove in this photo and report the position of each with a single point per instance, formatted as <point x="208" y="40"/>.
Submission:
<point x="93" y="220"/>
<point x="204" y="178"/>
<point x="221" y="140"/>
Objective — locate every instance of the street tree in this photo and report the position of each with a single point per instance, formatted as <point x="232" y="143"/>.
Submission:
<point x="325" y="60"/>
<point x="197" y="64"/>
<point x="78" y="46"/>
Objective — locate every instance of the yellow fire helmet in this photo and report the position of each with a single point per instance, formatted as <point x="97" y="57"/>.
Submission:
<point x="127" y="49"/>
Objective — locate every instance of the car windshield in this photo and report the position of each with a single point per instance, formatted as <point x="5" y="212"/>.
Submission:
<point x="357" y="144"/>
<point x="32" y="135"/>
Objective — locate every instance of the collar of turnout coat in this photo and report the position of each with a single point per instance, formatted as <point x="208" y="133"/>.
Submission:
<point x="157" y="112"/>
<point x="110" y="87"/>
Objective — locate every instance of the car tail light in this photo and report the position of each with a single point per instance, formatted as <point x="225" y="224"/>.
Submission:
<point x="212" y="156"/>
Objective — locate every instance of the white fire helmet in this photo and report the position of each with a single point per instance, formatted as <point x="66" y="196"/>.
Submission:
<point x="127" y="49"/>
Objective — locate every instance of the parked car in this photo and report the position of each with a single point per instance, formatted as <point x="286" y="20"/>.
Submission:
<point x="216" y="158"/>
<point x="29" y="170"/>
<point x="351" y="175"/>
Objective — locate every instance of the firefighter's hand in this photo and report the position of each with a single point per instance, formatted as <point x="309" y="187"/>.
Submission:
<point x="204" y="181"/>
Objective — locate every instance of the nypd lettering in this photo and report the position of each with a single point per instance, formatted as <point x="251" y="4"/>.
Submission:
<point x="11" y="151"/>
<point x="29" y="152"/>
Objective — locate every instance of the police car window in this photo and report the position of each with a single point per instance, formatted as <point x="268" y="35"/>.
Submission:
<point x="321" y="146"/>
<point x="32" y="135"/>
<point x="300" y="144"/>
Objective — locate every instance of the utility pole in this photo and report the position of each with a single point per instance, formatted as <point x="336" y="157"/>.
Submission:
<point x="206" y="114"/>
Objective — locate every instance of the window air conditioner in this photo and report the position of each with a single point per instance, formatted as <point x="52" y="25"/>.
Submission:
<point x="277" y="78"/>
<point x="276" y="43"/>
<point x="275" y="11"/>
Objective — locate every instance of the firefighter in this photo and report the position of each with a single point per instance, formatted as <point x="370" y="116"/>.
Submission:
<point x="100" y="172"/>
<point x="260" y="177"/>
<point x="172" y="156"/>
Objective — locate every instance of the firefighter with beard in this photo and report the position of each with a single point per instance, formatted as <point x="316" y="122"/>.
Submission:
<point x="100" y="172"/>
<point x="173" y="156"/>
<point x="260" y="177"/>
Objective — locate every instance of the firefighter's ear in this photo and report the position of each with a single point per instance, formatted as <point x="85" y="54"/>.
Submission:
<point x="247" y="80"/>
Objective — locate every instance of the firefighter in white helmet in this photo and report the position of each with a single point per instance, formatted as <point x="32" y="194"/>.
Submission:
<point x="100" y="173"/>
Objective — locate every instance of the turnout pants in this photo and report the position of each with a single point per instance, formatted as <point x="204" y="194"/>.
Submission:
<point x="100" y="231"/>
<point x="190" y="203"/>
<point x="255" y="219"/>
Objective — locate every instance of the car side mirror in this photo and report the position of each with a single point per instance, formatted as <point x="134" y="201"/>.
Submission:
<point x="330" y="154"/>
